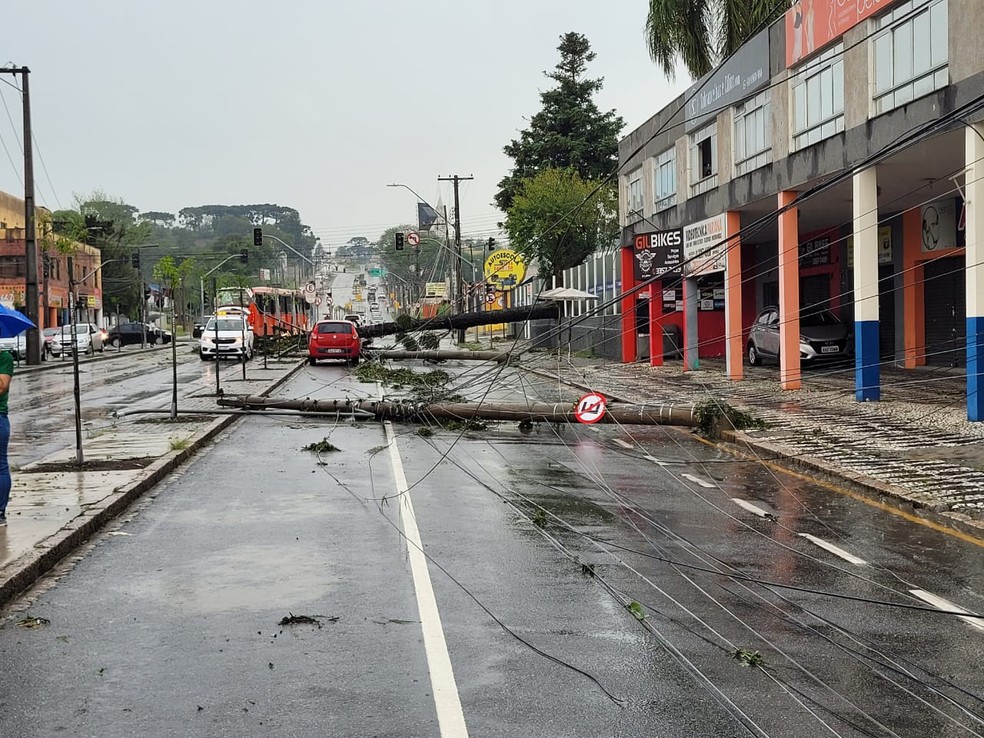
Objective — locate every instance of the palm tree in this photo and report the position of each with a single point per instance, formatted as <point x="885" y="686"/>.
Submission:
<point x="703" y="32"/>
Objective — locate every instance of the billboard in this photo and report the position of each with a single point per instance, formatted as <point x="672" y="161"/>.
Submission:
<point x="812" y="24"/>
<point x="505" y="268"/>
<point x="705" y="245"/>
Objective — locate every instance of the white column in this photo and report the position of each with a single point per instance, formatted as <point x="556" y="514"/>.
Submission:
<point x="866" y="353"/>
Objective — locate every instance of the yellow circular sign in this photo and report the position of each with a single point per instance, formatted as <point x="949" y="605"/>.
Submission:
<point x="505" y="268"/>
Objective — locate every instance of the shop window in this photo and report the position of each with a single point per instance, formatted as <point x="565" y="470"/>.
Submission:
<point x="818" y="98"/>
<point x="664" y="180"/>
<point x="703" y="160"/>
<point x="909" y="53"/>
<point x="12" y="267"/>
<point x="753" y="133"/>
<point x="635" y="192"/>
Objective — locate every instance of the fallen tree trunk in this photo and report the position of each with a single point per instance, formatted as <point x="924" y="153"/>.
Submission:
<point x="537" y="412"/>
<point x="499" y="356"/>
<point x="539" y="311"/>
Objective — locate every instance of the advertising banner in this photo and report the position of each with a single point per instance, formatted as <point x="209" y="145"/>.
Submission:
<point x="939" y="225"/>
<point x="812" y="24"/>
<point x="705" y="246"/>
<point x="658" y="254"/>
<point x="505" y="268"/>
<point x="436" y="289"/>
<point x="733" y="81"/>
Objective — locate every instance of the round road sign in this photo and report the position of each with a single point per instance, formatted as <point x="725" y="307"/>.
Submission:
<point x="413" y="238"/>
<point x="590" y="408"/>
<point x="317" y="302"/>
<point x="490" y="297"/>
<point x="329" y="301"/>
<point x="310" y="287"/>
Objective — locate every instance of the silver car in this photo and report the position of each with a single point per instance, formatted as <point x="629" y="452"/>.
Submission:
<point x="88" y="339"/>
<point x="822" y="336"/>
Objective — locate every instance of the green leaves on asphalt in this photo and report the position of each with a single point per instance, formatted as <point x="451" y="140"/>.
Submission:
<point x="321" y="447"/>
<point x="748" y="658"/>
<point x="637" y="610"/>
<point x="714" y="416"/>
<point x="31" y="621"/>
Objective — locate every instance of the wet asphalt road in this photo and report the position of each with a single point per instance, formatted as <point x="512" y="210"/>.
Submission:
<point x="168" y="626"/>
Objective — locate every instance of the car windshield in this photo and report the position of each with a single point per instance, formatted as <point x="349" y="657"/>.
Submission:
<point x="226" y="324"/>
<point x="80" y="330"/>
<point x="818" y="317"/>
<point x="334" y="328"/>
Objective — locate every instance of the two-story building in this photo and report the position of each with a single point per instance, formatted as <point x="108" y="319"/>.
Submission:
<point x="53" y="277"/>
<point x="835" y="161"/>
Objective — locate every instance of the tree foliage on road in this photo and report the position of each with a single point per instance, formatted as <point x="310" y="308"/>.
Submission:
<point x="558" y="219"/>
<point x="700" y="33"/>
<point x="569" y="131"/>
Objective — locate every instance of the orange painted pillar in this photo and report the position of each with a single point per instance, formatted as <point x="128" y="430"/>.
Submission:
<point x="628" y="307"/>
<point x="655" y="326"/>
<point x="734" y="345"/>
<point x="789" y="297"/>
<point x="913" y="301"/>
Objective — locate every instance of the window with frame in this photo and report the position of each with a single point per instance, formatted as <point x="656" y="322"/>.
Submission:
<point x="664" y="180"/>
<point x="753" y="132"/>
<point x="703" y="160"/>
<point x="909" y="53"/>
<point x="818" y="98"/>
<point x="634" y="192"/>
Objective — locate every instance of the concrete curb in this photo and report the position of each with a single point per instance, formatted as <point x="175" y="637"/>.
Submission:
<point x="19" y="574"/>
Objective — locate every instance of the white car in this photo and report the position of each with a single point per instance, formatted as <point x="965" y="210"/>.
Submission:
<point x="88" y="339"/>
<point x="17" y="345"/>
<point x="226" y="336"/>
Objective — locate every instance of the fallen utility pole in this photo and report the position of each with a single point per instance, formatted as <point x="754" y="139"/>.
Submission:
<point x="499" y="356"/>
<point x="537" y="412"/>
<point x="539" y="311"/>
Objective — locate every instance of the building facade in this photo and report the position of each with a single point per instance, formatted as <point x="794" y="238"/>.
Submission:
<point x="53" y="276"/>
<point x="832" y="162"/>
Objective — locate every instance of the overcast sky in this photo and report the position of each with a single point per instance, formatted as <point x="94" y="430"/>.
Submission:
<point x="312" y="104"/>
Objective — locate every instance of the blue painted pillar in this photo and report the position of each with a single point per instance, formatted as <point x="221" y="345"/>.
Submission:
<point x="867" y="377"/>
<point x="691" y="355"/>
<point x="974" y="195"/>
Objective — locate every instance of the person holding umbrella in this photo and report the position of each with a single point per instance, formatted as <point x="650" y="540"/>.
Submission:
<point x="12" y="323"/>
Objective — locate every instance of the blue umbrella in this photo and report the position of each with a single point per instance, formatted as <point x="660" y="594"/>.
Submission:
<point x="12" y="323"/>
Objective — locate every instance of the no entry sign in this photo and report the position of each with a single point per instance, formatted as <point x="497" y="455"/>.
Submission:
<point x="590" y="408"/>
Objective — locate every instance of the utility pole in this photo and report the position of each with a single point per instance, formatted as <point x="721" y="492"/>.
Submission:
<point x="458" y="303"/>
<point x="31" y="297"/>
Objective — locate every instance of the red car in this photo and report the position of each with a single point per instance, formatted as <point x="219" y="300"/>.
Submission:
<point x="334" y="339"/>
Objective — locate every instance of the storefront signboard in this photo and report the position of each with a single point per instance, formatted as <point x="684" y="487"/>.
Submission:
<point x="658" y="254"/>
<point x="939" y="225"/>
<point x="739" y="77"/>
<point x="705" y="246"/>
<point x="812" y="24"/>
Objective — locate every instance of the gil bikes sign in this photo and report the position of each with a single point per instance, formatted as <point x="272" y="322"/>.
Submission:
<point x="658" y="254"/>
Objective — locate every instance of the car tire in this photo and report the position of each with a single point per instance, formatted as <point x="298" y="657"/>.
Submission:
<point x="202" y="356"/>
<point x="312" y="361"/>
<point x="115" y="342"/>
<point x="754" y="357"/>
<point x="354" y="361"/>
<point x="90" y="350"/>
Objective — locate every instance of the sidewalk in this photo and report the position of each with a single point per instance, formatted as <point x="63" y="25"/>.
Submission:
<point x="915" y="446"/>
<point x="53" y="510"/>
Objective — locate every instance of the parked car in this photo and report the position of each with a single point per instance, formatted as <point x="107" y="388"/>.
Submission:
<point x="823" y="336"/>
<point x="226" y="336"/>
<point x="200" y="326"/>
<point x="49" y="336"/>
<point x="334" y="339"/>
<point x="130" y="334"/>
<point x="352" y="318"/>
<point x="16" y="345"/>
<point x="88" y="339"/>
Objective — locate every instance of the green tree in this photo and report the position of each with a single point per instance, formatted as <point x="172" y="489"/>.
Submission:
<point x="401" y="264"/>
<point x="569" y="131"/>
<point x="557" y="220"/>
<point x="700" y="33"/>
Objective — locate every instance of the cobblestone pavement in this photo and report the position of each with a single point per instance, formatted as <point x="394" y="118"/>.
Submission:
<point x="916" y="444"/>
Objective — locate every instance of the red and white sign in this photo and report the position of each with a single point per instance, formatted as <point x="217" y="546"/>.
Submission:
<point x="413" y="238"/>
<point x="590" y="408"/>
<point x="317" y="302"/>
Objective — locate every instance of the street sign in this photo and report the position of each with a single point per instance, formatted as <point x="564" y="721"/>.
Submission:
<point x="490" y="298"/>
<point x="413" y="238"/>
<point x="590" y="408"/>
<point x="317" y="302"/>
<point x="309" y="287"/>
<point x="329" y="301"/>
<point x="375" y="272"/>
<point x="309" y="297"/>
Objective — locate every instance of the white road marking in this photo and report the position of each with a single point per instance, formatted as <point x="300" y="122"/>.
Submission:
<point x="835" y="550"/>
<point x="697" y="480"/>
<point x="746" y="505"/>
<point x="653" y="459"/>
<point x="943" y="604"/>
<point x="623" y="444"/>
<point x="450" y="716"/>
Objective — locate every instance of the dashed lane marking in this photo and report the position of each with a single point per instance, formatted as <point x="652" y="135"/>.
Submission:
<point x="835" y="550"/>
<point x="697" y="480"/>
<point x="942" y="604"/>
<point x="450" y="717"/>
<point x="623" y="444"/>
<point x="653" y="459"/>
<point x="754" y="509"/>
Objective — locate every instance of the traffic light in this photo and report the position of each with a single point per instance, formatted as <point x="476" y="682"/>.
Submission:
<point x="135" y="259"/>
<point x="257" y="239"/>
<point x="244" y="256"/>
<point x="491" y="243"/>
<point x="399" y="242"/>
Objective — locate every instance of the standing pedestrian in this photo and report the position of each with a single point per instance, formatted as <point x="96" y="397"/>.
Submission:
<point x="6" y="373"/>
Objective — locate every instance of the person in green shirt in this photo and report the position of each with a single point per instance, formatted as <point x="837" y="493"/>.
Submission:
<point x="6" y="373"/>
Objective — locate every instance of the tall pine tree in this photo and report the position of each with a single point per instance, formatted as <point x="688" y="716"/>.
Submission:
<point x="569" y="132"/>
